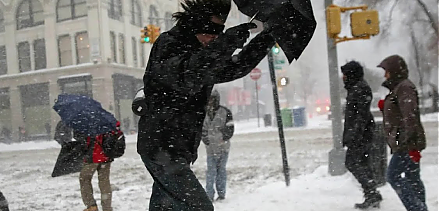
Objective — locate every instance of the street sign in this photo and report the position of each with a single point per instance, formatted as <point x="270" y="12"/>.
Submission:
<point x="255" y="74"/>
<point x="280" y="61"/>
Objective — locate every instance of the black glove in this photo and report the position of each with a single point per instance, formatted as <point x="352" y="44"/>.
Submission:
<point x="238" y="35"/>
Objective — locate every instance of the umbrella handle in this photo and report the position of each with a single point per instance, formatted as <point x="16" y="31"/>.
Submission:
<point x="253" y="17"/>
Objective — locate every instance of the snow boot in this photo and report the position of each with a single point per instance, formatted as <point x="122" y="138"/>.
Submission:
<point x="92" y="208"/>
<point x="372" y="199"/>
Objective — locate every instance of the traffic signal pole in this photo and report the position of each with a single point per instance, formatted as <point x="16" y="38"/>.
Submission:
<point x="278" y="115"/>
<point x="336" y="159"/>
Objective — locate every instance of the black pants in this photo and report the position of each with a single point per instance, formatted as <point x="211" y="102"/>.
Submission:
<point x="3" y="203"/>
<point x="357" y="162"/>
<point x="175" y="187"/>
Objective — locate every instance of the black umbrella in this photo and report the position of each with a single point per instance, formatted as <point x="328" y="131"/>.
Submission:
<point x="292" y="21"/>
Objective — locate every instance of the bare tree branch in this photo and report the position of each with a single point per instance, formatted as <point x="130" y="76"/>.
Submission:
<point x="434" y="24"/>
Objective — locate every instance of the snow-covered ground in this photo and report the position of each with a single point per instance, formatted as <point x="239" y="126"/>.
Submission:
<point x="255" y="174"/>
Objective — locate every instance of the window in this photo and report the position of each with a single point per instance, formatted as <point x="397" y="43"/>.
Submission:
<point x="24" y="57"/>
<point x="35" y="106"/>
<point x="168" y="21"/>
<point x="2" y="22"/>
<point x="121" y="49"/>
<point x="40" y="54"/>
<point x="29" y="13"/>
<point x="80" y="85"/>
<point x="115" y="9"/>
<point x="113" y="46"/>
<point x="82" y="48"/>
<point x="5" y="102"/>
<point x="3" y="61"/>
<point x="65" y="50"/>
<point x="143" y="62"/>
<point x="134" y="49"/>
<point x="71" y="9"/>
<point x="136" y="15"/>
<point x="154" y="15"/>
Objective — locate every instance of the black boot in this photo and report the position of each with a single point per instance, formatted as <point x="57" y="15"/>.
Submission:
<point x="372" y="199"/>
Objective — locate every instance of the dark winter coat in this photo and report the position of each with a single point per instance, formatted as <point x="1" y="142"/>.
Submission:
<point x="218" y="128"/>
<point x="359" y="122"/>
<point x="401" y="114"/>
<point x="63" y="133"/>
<point x="178" y="81"/>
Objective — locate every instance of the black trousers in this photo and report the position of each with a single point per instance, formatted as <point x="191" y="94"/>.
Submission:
<point x="3" y="203"/>
<point x="175" y="187"/>
<point x="357" y="162"/>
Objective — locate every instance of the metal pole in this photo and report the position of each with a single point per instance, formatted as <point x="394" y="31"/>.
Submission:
<point x="258" y="106"/>
<point x="278" y="114"/>
<point x="337" y="154"/>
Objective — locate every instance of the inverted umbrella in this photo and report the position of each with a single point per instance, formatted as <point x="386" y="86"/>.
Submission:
<point x="292" y="21"/>
<point x="84" y="115"/>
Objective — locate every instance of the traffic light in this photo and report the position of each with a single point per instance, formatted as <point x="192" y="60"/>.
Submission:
<point x="364" y="23"/>
<point x="283" y="81"/>
<point x="276" y="49"/>
<point x="146" y="34"/>
<point x="150" y="33"/>
<point x="333" y="15"/>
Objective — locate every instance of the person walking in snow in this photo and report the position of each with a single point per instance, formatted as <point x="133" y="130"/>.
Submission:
<point x="96" y="160"/>
<point x="218" y="128"/>
<point x="358" y="132"/>
<point x="3" y="203"/>
<point x="404" y="133"/>
<point x="184" y="64"/>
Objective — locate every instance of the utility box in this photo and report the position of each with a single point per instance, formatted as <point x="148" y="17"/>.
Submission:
<point x="364" y="23"/>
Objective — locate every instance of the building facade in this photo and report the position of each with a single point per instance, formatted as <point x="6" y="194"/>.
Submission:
<point x="90" y="47"/>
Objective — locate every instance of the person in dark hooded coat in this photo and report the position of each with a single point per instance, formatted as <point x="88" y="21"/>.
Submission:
<point x="185" y="63"/>
<point x="358" y="132"/>
<point x="404" y="133"/>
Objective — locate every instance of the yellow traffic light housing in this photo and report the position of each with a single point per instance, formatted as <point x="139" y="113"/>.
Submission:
<point x="146" y="34"/>
<point x="333" y="15"/>
<point x="364" y="23"/>
<point x="150" y="33"/>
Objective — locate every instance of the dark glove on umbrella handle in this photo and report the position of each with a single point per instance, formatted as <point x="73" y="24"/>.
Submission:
<point x="239" y="34"/>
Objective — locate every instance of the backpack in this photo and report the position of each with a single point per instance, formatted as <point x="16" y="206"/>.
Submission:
<point x="114" y="145"/>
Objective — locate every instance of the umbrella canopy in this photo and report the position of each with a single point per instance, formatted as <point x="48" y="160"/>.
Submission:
<point x="84" y="115"/>
<point x="292" y="21"/>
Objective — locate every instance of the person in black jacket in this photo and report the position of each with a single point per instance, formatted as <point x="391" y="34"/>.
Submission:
<point x="358" y="132"/>
<point x="3" y="203"/>
<point x="185" y="63"/>
<point x="63" y="133"/>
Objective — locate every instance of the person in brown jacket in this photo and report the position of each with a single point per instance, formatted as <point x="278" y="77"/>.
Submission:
<point x="404" y="133"/>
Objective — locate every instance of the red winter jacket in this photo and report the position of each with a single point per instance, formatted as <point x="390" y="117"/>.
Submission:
<point x="95" y="154"/>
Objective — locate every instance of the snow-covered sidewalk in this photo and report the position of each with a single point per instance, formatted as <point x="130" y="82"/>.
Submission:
<point x="319" y="191"/>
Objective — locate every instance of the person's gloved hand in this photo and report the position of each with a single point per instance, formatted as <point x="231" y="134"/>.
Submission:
<point x="415" y="155"/>
<point x="381" y="104"/>
<point x="238" y="35"/>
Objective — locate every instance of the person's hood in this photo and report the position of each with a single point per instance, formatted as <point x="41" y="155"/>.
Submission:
<point x="354" y="73"/>
<point x="215" y="96"/>
<point x="397" y="68"/>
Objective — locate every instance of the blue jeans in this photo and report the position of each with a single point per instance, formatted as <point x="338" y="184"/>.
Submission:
<point x="216" y="173"/>
<point x="404" y="176"/>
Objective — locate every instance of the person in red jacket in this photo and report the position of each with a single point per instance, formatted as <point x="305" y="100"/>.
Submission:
<point x="96" y="160"/>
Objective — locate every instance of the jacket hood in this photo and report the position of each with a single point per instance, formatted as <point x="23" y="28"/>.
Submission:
<point x="215" y="96"/>
<point x="353" y="71"/>
<point x="396" y="66"/>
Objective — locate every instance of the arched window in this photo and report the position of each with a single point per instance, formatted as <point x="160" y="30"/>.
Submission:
<point x="2" y="22"/>
<point x="29" y="13"/>
<point x="154" y="15"/>
<point x="115" y="9"/>
<point x="71" y="9"/>
<point x="136" y="15"/>
<point x="168" y="21"/>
